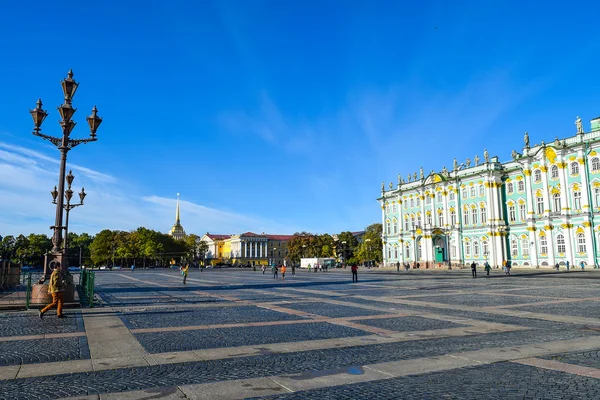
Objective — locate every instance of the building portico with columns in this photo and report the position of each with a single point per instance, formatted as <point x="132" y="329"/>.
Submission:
<point x="541" y="208"/>
<point x="246" y="249"/>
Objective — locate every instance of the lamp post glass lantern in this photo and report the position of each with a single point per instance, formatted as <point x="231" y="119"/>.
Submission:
<point x="64" y="143"/>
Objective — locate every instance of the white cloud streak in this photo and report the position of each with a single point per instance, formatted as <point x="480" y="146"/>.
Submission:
<point x="27" y="176"/>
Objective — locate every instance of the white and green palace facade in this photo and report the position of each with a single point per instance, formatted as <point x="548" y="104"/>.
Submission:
<point x="539" y="209"/>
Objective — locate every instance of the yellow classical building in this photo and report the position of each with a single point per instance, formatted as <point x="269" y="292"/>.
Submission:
<point x="246" y="249"/>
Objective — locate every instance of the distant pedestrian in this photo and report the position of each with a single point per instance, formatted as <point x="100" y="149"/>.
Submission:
<point x="474" y="269"/>
<point x="406" y="266"/>
<point x="132" y="268"/>
<point x="582" y="265"/>
<point x="354" y="270"/>
<point x="568" y="265"/>
<point x="557" y="266"/>
<point x="293" y="270"/>
<point x="508" y="267"/>
<point x="274" y="271"/>
<point x="184" y="272"/>
<point x="263" y="269"/>
<point x="283" y="269"/>
<point x="487" y="268"/>
<point x="56" y="288"/>
<point x="308" y="267"/>
<point x="504" y="268"/>
<point x="398" y="266"/>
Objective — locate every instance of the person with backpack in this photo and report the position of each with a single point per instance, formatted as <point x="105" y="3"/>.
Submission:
<point x="354" y="270"/>
<point x="184" y="272"/>
<point x="487" y="268"/>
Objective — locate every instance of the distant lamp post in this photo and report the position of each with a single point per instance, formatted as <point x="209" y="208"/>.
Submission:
<point x="344" y="253"/>
<point x="64" y="143"/>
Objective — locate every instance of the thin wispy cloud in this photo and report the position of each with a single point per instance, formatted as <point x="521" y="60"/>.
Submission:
<point x="27" y="176"/>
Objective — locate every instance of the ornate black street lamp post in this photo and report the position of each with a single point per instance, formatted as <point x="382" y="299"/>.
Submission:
<point x="64" y="144"/>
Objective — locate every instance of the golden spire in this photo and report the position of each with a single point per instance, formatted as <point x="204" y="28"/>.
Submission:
<point x="177" y="212"/>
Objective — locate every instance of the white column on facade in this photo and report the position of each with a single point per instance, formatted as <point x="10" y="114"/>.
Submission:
<point x="585" y="198"/>
<point x="551" y="237"/>
<point x="545" y="190"/>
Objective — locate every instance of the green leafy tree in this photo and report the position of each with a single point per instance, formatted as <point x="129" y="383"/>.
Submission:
<point x="347" y="244"/>
<point x="38" y="246"/>
<point x="371" y="248"/>
<point x="301" y="245"/>
<point x="103" y="247"/>
<point x="7" y="248"/>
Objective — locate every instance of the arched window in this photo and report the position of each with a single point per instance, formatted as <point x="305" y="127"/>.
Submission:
<point x="537" y="175"/>
<point x="440" y="219"/>
<point x="510" y="188"/>
<point x="465" y="217"/>
<point x="418" y="201"/>
<point x="407" y="251"/>
<point x="486" y="248"/>
<point x="474" y="215"/>
<point x="395" y="252"/>
<point x="467" y="249"/>
<point x="560" y="243"/>
<point x="554" y="172"/>
<point x="481" y="190"/>
<point x="406" y="224"/>
<point x="514" y="247"/>
<point x="577" y="200"/>
<point x="453" y="249"/>
<point x="427" y="199"/>
<point x="512" y="213"/>
<point x="451" y="195"/>
<point x="439" y="197"/>
<point x="453" y="217"/>
<point x="522" y="212"/>
<point x="395" y="224"/>
<point x="429" y="221"/>
<point x="483" y="214"/>
<point x="595" y="164"/>
<point x="412" y="220"/>
<point x="472" y="191"/>
<point x="540" y="205"/>
<point x="475" y="249"/>
<point x="388" y="227"/>
<point x="464" y="193"/>
<point x="556" y="199"/>
<point x="574" y="168"/>
<point x="581" y="243"/>
<point x="525" y="247"/>
<point x="521" y="186"/>
<point x="543" y="245"/>
<point x="420" y="251"/>
<point x="597" y="197"/>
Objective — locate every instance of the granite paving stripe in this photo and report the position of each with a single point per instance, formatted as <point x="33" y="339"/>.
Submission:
<point x="46" y="336"/>
<point x="232" y="337"/>
<point x="195" y="317"/>
<point x="561" y="367"/>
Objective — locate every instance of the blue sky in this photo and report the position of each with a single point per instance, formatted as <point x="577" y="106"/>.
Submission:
<point x="278" y="116"/>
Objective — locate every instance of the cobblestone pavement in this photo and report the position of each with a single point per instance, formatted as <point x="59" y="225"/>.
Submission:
<point x="181" y="317"/>
<point x="498" y="381"/>
<point x="322" y="335"/>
